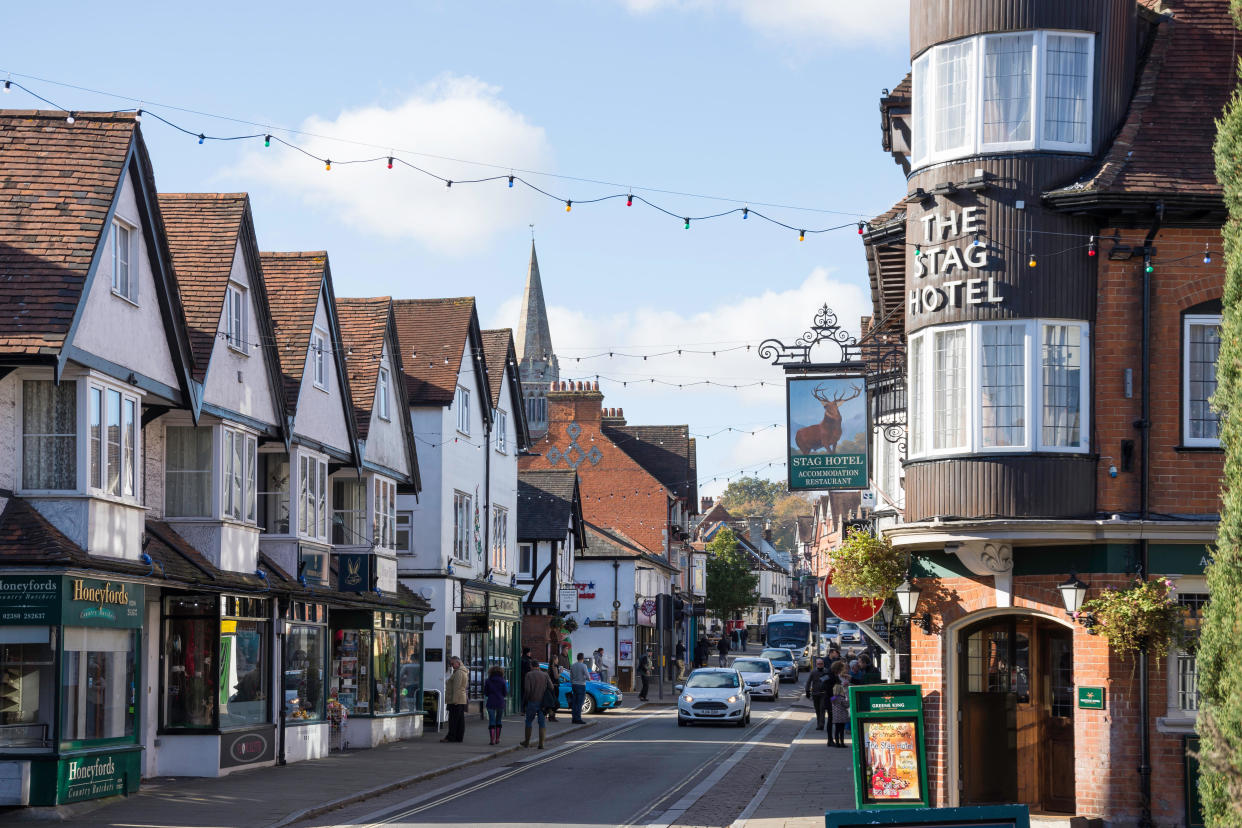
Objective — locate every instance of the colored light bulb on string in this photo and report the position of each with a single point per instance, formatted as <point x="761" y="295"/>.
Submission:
<point x="267" y="140"/>
<point x="327" y="164"/>
<point x="918" y="250"/>
<point x="745" y="213"/>
<point x="1031" y="261"/>
<point x="1149" y="267"/>
<point x="138" y="116"/>
<point x="201" y="137"/>
<point x="8" y="86"/>
<point x="687" y="224"/>
<point x="801" y="235"/>
<point x="1207" y="255"/>
<point x="69" y="119"/>
<point x="976" y="242"/>
<point x="390" y="162"/>
<point x="510" y="182"/>
<point x="860" y="228"/>
<point x="569" y="205"/>
<point x="629" y="200"/>
<point x="448" y="183"/>
<point x="1091" y="247"/>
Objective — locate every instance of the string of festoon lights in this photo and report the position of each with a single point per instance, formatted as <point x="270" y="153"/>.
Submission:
<point x="393" y="158"/>
<point x="616" y="438"/>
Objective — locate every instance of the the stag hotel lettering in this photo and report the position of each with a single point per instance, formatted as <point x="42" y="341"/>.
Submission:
<point x="941" y="261"/>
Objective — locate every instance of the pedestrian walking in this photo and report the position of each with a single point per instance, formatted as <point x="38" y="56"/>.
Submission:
<point x="554" y="678"/>
<point x="744" y="636"/>
<point x="601" y="666"/>
<point x="455" y="698"/>
<point x="528" y="663"/>
<point x="700" y="652"/>
<point x="840" y="705"/>
<point x="536" y="687"/>
<point x="495" y="690"/>
<point x="817" y="691"/>
<point x="867" y="672"/>
<point x="722" y="649"/>
<point x="680" y="655"/>
<point x="579" y="675"/>
<point x="644" y="674"/>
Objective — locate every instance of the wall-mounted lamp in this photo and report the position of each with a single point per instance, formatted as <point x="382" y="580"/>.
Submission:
<point x="1073" y="593"/>
<point x="908" y="598"/>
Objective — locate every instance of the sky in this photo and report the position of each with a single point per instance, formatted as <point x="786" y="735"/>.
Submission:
<point x="699" y="106"/>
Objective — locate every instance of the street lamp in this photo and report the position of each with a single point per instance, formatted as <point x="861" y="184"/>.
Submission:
<point x="886" y="613"/>
<point x="908" y="598"/>
<point x="1073" y="591"/>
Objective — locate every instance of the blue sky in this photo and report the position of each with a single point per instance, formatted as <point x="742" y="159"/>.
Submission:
<point x="750" y="100"/>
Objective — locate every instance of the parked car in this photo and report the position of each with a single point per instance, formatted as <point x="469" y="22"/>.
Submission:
<point x="783" y="660"/>
<point x="600" y="696"/>
<point x="848" y="635"/>
<point x="760" y="676"/>
<point x="713" y="694"/>
<point x="827" y="640"/>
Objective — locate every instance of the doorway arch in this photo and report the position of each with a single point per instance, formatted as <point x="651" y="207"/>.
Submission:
<point x="1010" y="710"/>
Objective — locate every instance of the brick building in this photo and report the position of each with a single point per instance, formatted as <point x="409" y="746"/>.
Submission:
<point x="1055" y="269"/>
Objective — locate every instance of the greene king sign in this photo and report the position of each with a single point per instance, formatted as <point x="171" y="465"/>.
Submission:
<point x="827" y="433"/>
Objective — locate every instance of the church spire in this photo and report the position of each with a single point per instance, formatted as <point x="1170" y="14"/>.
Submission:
<point x="534" y="340"/>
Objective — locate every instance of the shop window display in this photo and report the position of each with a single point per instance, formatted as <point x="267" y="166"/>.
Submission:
<point x="304" y="663"/>
<point x="378" y="672"/>
<point x="244" y="672"/>
<point x="351" y="671"/>
<point x="27" y="686"/>
<point x="190" y="629"/>
<point x="97" y="691"/>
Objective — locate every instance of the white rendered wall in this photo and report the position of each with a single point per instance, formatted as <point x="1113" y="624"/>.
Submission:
<point x="114" y="328"/>
<point x="427" y="509"/>
<point x="250" y="393"/>
<point x="321" y="413"/>
<point x="307" y="741"/>
<point x="10" y="432"/>
<point x="385" y="445"/>
<point x="504" y="473"/>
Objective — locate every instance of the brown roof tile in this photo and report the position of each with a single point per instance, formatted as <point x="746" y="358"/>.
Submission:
<point x="202" y="230"/>
<point x="497" y="350"/>
<point x="663" y="451"/>
<point x="363" y="325"/>
<point x="57" y="182"/>
<point x="433" y="335"/>
<point x="294" y="282"/>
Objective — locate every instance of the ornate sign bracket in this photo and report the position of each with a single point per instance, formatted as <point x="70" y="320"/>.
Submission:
<point x="824" y="328"/>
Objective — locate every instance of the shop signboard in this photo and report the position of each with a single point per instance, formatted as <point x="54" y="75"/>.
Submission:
<point x="1091" y="698"/>
<point x="974" y="816"/>
<point x="96" y="775"/>
<point x="890" y="762"/>
<point x="353" y="573"/>
<point x="827" y="426"/>
<point x="248" y="747"/>
<point x="568" y="600"/>
<point x="30" y="599"/>
<point x="88" y="602"/>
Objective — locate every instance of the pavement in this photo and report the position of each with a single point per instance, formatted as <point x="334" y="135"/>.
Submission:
<point x="273" y="797"/>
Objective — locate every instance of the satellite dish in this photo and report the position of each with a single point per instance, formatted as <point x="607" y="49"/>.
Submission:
<point x="426" y="593"/>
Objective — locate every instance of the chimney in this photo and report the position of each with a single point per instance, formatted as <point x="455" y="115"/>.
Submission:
<point x="767" y="534"/>
<point x="707" y="504"/>
<point x="754" y="528"/>
<point x="614" y="417"/>
<point x="572" y="401"/>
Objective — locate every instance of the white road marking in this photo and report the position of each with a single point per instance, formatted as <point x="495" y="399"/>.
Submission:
<point x="762" y="793"/>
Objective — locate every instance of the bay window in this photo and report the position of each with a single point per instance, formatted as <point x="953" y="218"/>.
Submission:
<point x="384" y="513"/>
<point x="49" y="435"/>
<point x="98" y="693"/>
<point x="349" y="511"/>
<point x="312" y="497"/>
<point x="187" y="472"/>
<point x="1200" y="351"/>
<point x="1030" y="90"/>
<point x="240" y="475"/>
<point x="974" y="387"/>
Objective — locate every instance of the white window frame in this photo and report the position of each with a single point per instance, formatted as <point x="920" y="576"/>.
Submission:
<point x="130" y="444"/>
<point x="205" y="477"/>
<point x="384" y="513"/>
<point x="501" y="428"/>
<point x="461" y="401"/>
<point x="319" y="359"/>
<point x="238" y="486"/>
<point x="127" y="290"/>
<point x="463" y="523"/>
<point x="500" y="538"/>
<point x="235" y="319"/>
<point x="923" y="101"/>
<point x="382" y="394"/>
<point x="526" y="560"/>
<point x="312" y="495"/>
<point x="1179" y="718"/>
<point x="1188" y="320"/>
<point x="405" y="523"/>
<point x="921" y="391"/>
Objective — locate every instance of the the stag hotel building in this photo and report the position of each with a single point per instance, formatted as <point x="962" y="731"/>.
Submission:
<point x="1054" y="263"/>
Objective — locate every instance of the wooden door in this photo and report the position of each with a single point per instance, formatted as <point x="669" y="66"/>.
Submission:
<point x="987" y="768"/>
<point x="1057" y="664"/>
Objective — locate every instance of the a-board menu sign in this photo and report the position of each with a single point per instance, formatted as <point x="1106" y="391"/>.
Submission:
<point x="827" y="432"/>
<point x="978" y="816"/>
<point x="890" y="760"/>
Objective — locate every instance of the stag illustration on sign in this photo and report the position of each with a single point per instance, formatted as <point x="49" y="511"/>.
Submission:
<point x="826" y="433"/>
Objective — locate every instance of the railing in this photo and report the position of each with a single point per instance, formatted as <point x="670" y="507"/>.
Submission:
<point x="24" y="736"/>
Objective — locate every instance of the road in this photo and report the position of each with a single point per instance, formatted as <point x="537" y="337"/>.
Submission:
<point x="640" y="769"/>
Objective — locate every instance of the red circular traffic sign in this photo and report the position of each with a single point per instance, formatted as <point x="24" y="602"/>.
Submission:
<point x="846" y="608"/>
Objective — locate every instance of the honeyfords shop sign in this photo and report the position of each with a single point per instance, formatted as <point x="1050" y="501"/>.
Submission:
<point x="78" y="602"/>
<point x="827" y="419"/>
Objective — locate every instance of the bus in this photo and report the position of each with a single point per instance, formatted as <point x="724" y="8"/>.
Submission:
<point x="792" y="628"/>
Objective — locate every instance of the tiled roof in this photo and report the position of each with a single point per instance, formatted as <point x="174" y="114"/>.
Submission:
<point x="202" y="231"/>
<point x="545" y="507"/>
<point x="433" y="335"/>
<point x="294" y="281"/>
<point x="717" y="514"/>
<point x="497" y="349"/>
<point x="609" y="542"/>
<point x="663" y="451"/>
<point x="363" y="325"/>
<point x="57" y="182"/>
<point x="1164" y="147"/>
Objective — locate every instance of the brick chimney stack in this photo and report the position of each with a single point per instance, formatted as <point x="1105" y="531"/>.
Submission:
<point x="614" y="417"/>
<point x="707" y="504"/>
<point x="754" y="528"/>
<point x="573" y="401"/>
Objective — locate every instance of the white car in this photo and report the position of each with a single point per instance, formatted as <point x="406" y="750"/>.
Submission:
<point x="713" y="694"/>
<point x="760" y="676"/>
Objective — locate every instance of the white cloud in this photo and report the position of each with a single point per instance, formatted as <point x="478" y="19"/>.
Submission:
<point x="458" y="117"/>
<point x="841" y="22"/>
<point x="728" y="323"/>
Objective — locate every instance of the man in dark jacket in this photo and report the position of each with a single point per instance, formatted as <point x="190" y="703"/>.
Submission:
<point x="817" y="690"/>
<point x="527" y="664"/>
<point x="722" y="649"/>
<point x="535" y="686"/>
<point x="870" y="675"/>
<point x="700" y="652"/>
<point x="644" y="674"/>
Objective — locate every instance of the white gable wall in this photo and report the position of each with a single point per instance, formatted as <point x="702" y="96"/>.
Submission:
<point x="505" y="473"/>
<point x="321" y="413"/>
<point x="143" y="347"/>
<point x="238" y="380"/>
<point x="427" y="509"/>
<point x="385" y="444"/>
<point x="463" y="468"/>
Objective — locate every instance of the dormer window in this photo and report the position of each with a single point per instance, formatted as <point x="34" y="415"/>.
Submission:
<point x="1001" y="93"/>
<point x="462" y="403"/>
<point x="235" y="318"/>
<point x="319" y="360"/>
<point x="382" y="395"/>
<point x="502" y="429"/>
<point x="124" y="260"/>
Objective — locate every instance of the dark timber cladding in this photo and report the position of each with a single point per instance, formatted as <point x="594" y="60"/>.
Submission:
<point x="1019" y="486"/>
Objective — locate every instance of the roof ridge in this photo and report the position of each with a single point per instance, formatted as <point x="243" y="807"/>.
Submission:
<point x="217" y="196"/>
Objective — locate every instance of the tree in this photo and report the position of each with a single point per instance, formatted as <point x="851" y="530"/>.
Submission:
<point x="1220" y="680"/>
<point x="730" y="586"/>
<point x="754" y="496"/>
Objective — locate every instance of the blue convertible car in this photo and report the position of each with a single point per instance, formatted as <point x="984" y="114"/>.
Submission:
<point x="600" y="696"/>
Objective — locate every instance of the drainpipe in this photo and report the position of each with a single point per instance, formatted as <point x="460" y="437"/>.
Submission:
<point x="1144" y="426"/>
<point x="487" y="500"/>
<point x="616" y="625"/>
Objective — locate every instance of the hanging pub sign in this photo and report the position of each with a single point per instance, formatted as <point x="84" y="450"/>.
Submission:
<point x="827" y="419"/>
<point x="353" y="572"/>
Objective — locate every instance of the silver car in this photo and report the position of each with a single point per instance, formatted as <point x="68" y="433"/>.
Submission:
<point x="760" y="676"/>
<point x="713" y="694"/>
<point x="783" y="661"/>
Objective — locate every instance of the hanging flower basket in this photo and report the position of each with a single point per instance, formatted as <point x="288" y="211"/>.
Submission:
<point x="556" y="623"/>
<point x="569" y="624"/>
<point x="1143" y="615"/>
<point x="866" y="566"/>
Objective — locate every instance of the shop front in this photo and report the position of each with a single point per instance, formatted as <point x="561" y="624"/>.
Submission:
<point x="305" y="731"/>
<point x="375" y="679"/>
<point x="69" y="672"/>
<point x="490" y="624"/>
